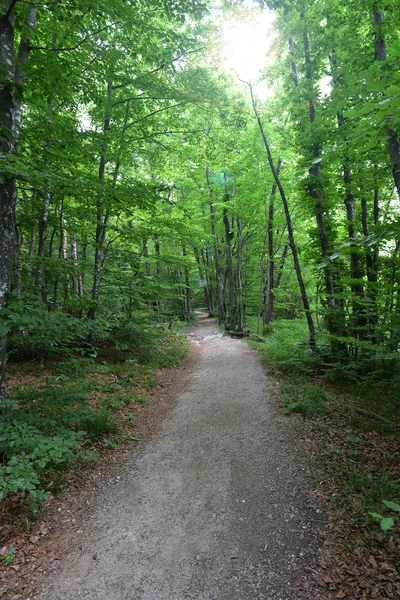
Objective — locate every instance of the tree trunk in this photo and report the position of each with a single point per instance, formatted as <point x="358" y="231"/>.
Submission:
<point x="334" y="317"/>
<point x="16" y="279"/>
<point x="218" y="270"/>
<point x="207" y="258"/>
<point x="269" y="290"/>
<point x="63" y="253"/>
<point x="204" y="274"/>
<point x="187" y="304"/>
<point x="102" y="218"/>
<point x="293" y="247"/>
<point x="241" y="317"/>
<point x="231" y="316"/>
<point x="356" y="285"/>
<point x="10" y="117"/>
<point x="281" y="265"/>
<point x="43" y="221"/>
<point x="157" y="252"/>
<point x="371" y="261"/>
<point x="380" y="54"/>
<point x="76" y="280"/>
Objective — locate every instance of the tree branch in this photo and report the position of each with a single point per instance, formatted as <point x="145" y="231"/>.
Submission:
<point x="154" y="113"/>
<point x="72" y="48"/>
<point x="162" y="66"/>
<point x="10" y="8"/>
<point x="141" y="97"/>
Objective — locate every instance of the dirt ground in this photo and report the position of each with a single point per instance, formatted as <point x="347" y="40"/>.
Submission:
<point x="213" y="507"/>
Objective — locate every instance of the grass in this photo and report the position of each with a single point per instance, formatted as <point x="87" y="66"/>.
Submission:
<point x="286" y="355"/>
<point x="303" y="397"/>
<point x="308" y="379"/>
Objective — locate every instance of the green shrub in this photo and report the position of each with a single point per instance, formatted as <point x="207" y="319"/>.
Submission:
<point x="34" y="331"/>
<point x="97" y="423"/>
<point x="303" y="397"/>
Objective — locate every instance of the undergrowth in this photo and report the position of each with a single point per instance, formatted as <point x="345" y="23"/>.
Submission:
<point x="59" y="417"/>
<point x="362" y="471"/>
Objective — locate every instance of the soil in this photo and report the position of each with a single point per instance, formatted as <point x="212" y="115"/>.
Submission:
<point x="213" y="506"/>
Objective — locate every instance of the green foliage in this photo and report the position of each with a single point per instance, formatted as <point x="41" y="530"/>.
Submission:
<point x="43" y="432"/>
<point x="49" y="426"/>
<point x="303" y="397"/>
<point x="34" y="331"/>
<point x="386" y="523"/>
<point x="97" y="423"/>
<point x="9" y="556"/>
<point x="142" y="399"/>
<point x="362" y="488"/>
<point x="285" y="349"/>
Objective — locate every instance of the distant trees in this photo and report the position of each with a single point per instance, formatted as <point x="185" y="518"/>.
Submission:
<point x="132" y="169"/>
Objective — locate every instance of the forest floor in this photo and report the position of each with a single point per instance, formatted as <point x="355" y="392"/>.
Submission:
<point x="214" y="503"/>
<point x="212" y="506"/>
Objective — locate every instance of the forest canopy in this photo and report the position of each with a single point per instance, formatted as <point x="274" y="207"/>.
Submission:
<point x="141" y="176"/>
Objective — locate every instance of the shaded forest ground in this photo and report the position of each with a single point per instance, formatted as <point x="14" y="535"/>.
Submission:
<point x="353" y="460"/>
<point x="123" y="396"/>
<point x="353" y="464"/>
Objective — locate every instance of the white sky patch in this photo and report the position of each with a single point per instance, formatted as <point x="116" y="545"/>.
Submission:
<point x="244" y="42"/>
<point x="325" y="86"/>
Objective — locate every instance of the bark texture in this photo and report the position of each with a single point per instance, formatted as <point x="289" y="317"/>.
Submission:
<point x="10" y="118"/>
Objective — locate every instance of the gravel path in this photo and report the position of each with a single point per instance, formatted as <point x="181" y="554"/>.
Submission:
<point x="213" y="508"/>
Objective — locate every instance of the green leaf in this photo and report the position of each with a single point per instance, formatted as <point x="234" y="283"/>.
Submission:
<point x="375" y="515"/>
<point x="392" y="505"/>
<point x="387" y="524"/>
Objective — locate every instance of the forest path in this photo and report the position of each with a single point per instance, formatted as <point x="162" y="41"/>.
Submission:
<point x="212" y="509"/>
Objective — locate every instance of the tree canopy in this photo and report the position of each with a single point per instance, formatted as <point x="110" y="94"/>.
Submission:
<point x="139" y="178"/>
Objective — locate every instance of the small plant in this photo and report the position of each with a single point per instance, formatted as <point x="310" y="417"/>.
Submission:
<point x="113" y="443"/>
<point x="386" y="523"/>
<point x="303" y="397"/>
<point x="9" y="556"/>
<point x="113" y="403"/>
<point x="98" y="423"/>
<point x="133" y="362"/>
<point x="142" y="399"/>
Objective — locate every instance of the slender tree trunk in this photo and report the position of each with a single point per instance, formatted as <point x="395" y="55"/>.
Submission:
<point x="187" y="304"/>
<point x="204" y="274"/>
<point x="380" y="54"/>
<point x="293" y="247"/>
<point x="393" y="300"/>
<point x="281" y="266"/>
<point x="218" y="270"/>
<point x="315" y="185"/>
<point x="261" y="295"/>
<point x="356" y="285"/>
<point x="102" y="217"/>
<point x="75" y="273"/>
<point x="157" y="252"/>
<point x="43" y="222"/>
<point x="32" y="244"/>
<point x="371" y="263"/>
<point x="16" y="279"/>
<point x="356" y="273"/>
<point x="269" y="290"/>
<point x="231" y="316"/>
<point x="241" y="318"/>
<point x="10" y="117"/>
<point x="334" y="317"/>
<point x="63" y="252"/>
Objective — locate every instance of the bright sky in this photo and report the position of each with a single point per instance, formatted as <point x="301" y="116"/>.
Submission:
<point x="244" y="41"/>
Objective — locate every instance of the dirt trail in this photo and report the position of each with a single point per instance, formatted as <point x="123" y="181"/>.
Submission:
<point x="213" y="508"/>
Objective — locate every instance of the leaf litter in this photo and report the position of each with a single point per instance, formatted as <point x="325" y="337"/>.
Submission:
<point x="351" y="471"/>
